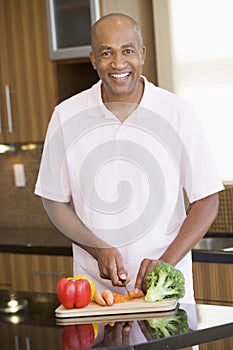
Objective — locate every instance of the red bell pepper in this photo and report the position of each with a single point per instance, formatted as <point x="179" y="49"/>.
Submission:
<point x="75" y="337"/>
<point x="74" y="293"/>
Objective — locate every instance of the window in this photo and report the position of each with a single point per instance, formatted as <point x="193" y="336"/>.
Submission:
<point x="200" y="35"/>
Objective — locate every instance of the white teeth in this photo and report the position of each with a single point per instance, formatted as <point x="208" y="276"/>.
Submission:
<point x="119" y="76"/>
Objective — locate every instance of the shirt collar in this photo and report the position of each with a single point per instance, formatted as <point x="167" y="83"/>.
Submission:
<point x="96" y="107"/>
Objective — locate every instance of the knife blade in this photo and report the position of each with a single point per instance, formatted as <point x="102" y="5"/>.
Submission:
<point x="125" y="286"/>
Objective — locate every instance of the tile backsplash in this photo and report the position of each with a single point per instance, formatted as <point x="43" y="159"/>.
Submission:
<point x="21" y="208"/>
<point x="224" y="220"/>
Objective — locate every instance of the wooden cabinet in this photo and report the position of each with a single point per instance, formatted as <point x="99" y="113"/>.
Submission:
<point x="27" y="89"/>
<point x="223" y="344"/>
<point x="39" y="273"/>
<point x="31" y="272"/>
<point x="73" y="76"/>
<point x="5" y="271"/>
<point x="213" y="283"/>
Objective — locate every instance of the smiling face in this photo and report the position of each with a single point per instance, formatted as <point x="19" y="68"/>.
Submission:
<point x="118" y="55"/>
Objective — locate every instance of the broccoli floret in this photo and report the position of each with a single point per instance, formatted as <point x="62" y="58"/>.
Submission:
<point x="167" y="326"/>
<point x="164" y="282"/>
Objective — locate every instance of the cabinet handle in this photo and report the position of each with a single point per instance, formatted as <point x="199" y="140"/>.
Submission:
<point x="46" y="273"/>
<point x="27" y="343"/>
<point x="16" y="342"/>
<point x="0" y="116"/>
<point x="8" y="108"/>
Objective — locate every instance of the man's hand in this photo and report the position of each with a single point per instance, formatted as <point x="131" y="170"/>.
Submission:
<point x="116" y="334"/>
<point x="145" y="266"/>
<point x="111" y="265"/>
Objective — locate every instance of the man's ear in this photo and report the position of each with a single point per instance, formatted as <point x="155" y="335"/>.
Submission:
<point x="143" y="54"/>
<point x="92" y="58"/>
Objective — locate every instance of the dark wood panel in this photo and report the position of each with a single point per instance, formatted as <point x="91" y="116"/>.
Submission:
<point x="39" y="273"/>
<point x="213" y="282"/>
<point x="26" y="69"/>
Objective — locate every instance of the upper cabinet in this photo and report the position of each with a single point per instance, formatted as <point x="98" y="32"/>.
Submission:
<point x="69" y="26"/>
<point x="27" y="93"/>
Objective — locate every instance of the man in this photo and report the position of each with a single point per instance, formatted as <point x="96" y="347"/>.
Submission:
<point x="116" y="160"/>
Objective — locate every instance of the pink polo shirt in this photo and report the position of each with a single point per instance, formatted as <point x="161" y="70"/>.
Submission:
<point x="126" y="180"/>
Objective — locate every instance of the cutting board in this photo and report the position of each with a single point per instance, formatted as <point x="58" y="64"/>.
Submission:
<point x="135" y="306"/>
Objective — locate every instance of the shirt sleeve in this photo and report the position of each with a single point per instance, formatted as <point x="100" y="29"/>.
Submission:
<point x="53" y="180"/>
<point x="199" y="174"/>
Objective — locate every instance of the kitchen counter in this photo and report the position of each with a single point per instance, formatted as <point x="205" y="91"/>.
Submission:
<point x="218" y="249"/>
<point x="212" y="248"/>
<point x="34" y="241"/>
<point x="36" y="327"/>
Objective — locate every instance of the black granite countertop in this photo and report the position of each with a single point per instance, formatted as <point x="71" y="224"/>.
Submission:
<point x="214" y="248"/>
<point x="37" y="326"/>
<point x="34" y="241"/>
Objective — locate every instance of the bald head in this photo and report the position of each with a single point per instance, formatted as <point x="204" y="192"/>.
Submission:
<point x="117" y="18"/>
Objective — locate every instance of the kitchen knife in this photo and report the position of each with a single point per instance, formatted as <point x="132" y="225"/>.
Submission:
<point x="125" y="285"/>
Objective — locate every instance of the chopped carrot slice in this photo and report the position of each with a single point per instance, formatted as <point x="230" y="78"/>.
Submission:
<point x="134" y="295"/>
<point x="120" y="298"/>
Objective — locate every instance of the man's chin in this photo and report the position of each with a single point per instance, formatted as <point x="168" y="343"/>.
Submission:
<point x="111" y="91"/>
<point x="120" y="92"/>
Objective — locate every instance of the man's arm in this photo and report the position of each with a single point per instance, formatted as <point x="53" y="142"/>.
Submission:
<point x="194" y="227"/>
<point x="109" y="259"/>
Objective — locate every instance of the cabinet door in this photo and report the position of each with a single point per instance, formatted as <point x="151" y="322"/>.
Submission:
<point x="69" y="26"/>
<point x="27" y="96"/>
<point x="222" y="344"/>
<point x="213" y="283"/>
<point x="3" y="117"/>
<point x="39" y="273"/>
<point x="5" y="271"/>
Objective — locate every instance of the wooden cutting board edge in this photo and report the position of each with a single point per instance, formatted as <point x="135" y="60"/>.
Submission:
<point x="132" y="307"/>
<point x="116" y="318"/>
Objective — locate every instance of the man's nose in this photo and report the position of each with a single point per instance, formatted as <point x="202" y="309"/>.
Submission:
<point x="118" y="61"/>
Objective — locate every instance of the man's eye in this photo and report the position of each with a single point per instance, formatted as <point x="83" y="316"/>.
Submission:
<point x="128" y="51"/>
<point x="106" y="53"/>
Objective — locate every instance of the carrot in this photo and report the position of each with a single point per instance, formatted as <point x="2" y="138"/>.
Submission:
<point x="99" y="299"/>
<point x="108" y="297"/>
<point x="119" y="298"/>
<point x="134" y="295"/>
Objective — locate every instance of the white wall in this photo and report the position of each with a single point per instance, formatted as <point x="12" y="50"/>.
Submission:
<point x="194" y="47"/>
